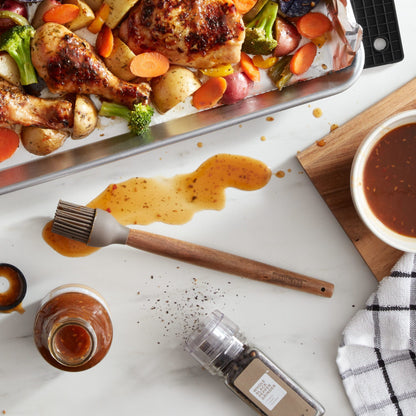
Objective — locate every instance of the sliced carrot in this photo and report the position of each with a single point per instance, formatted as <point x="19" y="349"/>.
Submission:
<point x="243" y="6"/>
<point x="105" y="42"/>
<point x="64" y="13"/>
<point x="312" y="25"/>
<point x="249" y="68"/>
<point x="9" y="142"/>
<point x="303" y="58"/>
<point x="208" y="94"/>
<point x="100" y="17"/>
<point x="149" y="65"/>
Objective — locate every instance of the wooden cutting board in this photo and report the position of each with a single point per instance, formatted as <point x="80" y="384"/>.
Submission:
<point x="329" y="166"/>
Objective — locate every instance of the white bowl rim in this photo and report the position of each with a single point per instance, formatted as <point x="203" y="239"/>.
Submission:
<point x="396" y="240"/>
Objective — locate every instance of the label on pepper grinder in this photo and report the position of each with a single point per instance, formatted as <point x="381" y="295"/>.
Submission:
<point x="269" y="392"/>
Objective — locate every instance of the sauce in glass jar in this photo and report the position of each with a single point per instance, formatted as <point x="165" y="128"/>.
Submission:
<point x="73" y="329"/>
<point x="11" y="298"/>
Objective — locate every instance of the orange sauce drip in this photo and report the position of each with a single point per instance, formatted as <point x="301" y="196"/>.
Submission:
<point x="170" y="200"/>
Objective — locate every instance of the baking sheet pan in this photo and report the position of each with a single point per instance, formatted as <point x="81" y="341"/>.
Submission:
<point x="42" y="169"/>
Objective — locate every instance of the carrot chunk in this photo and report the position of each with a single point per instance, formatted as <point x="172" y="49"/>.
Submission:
<point x="105" y="42"/>
<point x="303" y="58"/>
<point x="9" y="142"/>
<point x="210" y="93"/>
<point x="243" y="6"/>
<point x="313" y="25"/>
<point x="249" y="68"/>
<point x="149" y="65"/>
<point x="63" y="13"/>
<point x="100" y="17"/>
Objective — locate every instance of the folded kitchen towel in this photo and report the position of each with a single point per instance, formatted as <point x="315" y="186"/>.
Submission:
<point x="377" y="356"/>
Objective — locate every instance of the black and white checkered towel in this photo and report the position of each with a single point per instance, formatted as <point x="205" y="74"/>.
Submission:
<point x="377" y="357"/>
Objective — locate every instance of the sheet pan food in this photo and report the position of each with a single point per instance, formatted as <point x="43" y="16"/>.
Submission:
<point x="74" y="72"/>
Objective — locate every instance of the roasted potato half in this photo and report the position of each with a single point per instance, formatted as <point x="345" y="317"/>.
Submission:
<point x="42" y="8"/>
<point x="9" y="70"/>
<point x="84" y="18"/>
<point x="119" y="60"/>
<point x="85" y="117"/>
<point x="118" y="10"/>
<point x="173" y="88"/>
<point x="40" y="141"/>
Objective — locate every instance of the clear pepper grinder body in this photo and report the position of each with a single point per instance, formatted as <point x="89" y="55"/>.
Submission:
<point x="220" y="347"/>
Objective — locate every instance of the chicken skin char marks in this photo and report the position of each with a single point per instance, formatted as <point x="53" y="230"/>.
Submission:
<point x="193" y="33"/>
<point x="17" y="107"/>
<point x="68" y="64"/>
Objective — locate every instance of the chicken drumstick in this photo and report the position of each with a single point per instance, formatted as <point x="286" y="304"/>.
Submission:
<point x="68" y="64"/>
<point x="16" y="107"/>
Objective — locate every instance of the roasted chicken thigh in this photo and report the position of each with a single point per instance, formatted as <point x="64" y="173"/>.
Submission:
<point x="68" y="64"/>
<point x="195" y="33"/>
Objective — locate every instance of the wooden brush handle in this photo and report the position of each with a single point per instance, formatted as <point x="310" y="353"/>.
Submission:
<point x="226" y="262"/>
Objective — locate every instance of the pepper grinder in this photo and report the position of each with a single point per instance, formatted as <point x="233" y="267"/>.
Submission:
<point x="221" y="348"/>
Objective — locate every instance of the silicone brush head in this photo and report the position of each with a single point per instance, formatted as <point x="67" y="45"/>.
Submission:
<point x="94" y="227"/>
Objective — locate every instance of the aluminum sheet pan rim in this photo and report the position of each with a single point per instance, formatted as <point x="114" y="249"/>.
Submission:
<point x="125" y="145"/>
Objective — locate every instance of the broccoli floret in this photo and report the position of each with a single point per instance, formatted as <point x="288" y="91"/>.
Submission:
<point x="16" y="41"/>
<point x="138" y="118"/>
<point x="259" y="32"/>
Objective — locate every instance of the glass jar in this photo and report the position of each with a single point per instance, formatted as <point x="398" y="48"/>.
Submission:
<point x="73" y="329"/>
<point x="220" y="347"/>
<point x="12" y="297"/>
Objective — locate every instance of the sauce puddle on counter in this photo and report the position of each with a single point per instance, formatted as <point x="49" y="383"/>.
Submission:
<point x="170" y="200"/>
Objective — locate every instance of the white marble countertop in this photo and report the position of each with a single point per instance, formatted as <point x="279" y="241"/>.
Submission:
<point x="286" y="224"/>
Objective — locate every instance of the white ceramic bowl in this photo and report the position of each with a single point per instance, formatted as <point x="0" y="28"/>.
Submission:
<point x="390" y="237"/>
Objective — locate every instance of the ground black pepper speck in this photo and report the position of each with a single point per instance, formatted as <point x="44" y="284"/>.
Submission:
<point x="180" y="311"/>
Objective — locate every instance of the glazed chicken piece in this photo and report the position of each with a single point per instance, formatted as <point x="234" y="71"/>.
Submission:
<point x="16" y="107"/>
<point x="194" y="33"/>
<point x="68" y="64"/>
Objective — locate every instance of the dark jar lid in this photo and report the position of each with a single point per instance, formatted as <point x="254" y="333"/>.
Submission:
<point x="16" y="291"/>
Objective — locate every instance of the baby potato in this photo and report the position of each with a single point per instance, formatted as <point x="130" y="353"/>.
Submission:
<point x="238" y="87"/>
<point x="85" y="17"/>
<point x="9" y="70"/>
<point x="119" y="60"/>
<point x="173" y="88"/>
<point x="287" y="36"/>
<point x="41" y="9"/>
<point x="40" y="141"/>
<point x="118" y="9"/>
<point x="85" y="117"/>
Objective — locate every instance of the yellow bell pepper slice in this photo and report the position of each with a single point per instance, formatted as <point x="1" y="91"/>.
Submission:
<point x="218" y="71"/>
<point x="262" y="63"/>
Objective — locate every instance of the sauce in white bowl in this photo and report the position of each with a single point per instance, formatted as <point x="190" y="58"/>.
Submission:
<point x="383" y="181"/>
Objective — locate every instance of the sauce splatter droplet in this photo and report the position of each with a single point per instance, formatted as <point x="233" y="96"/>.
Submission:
<point x="317" y="112"/>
